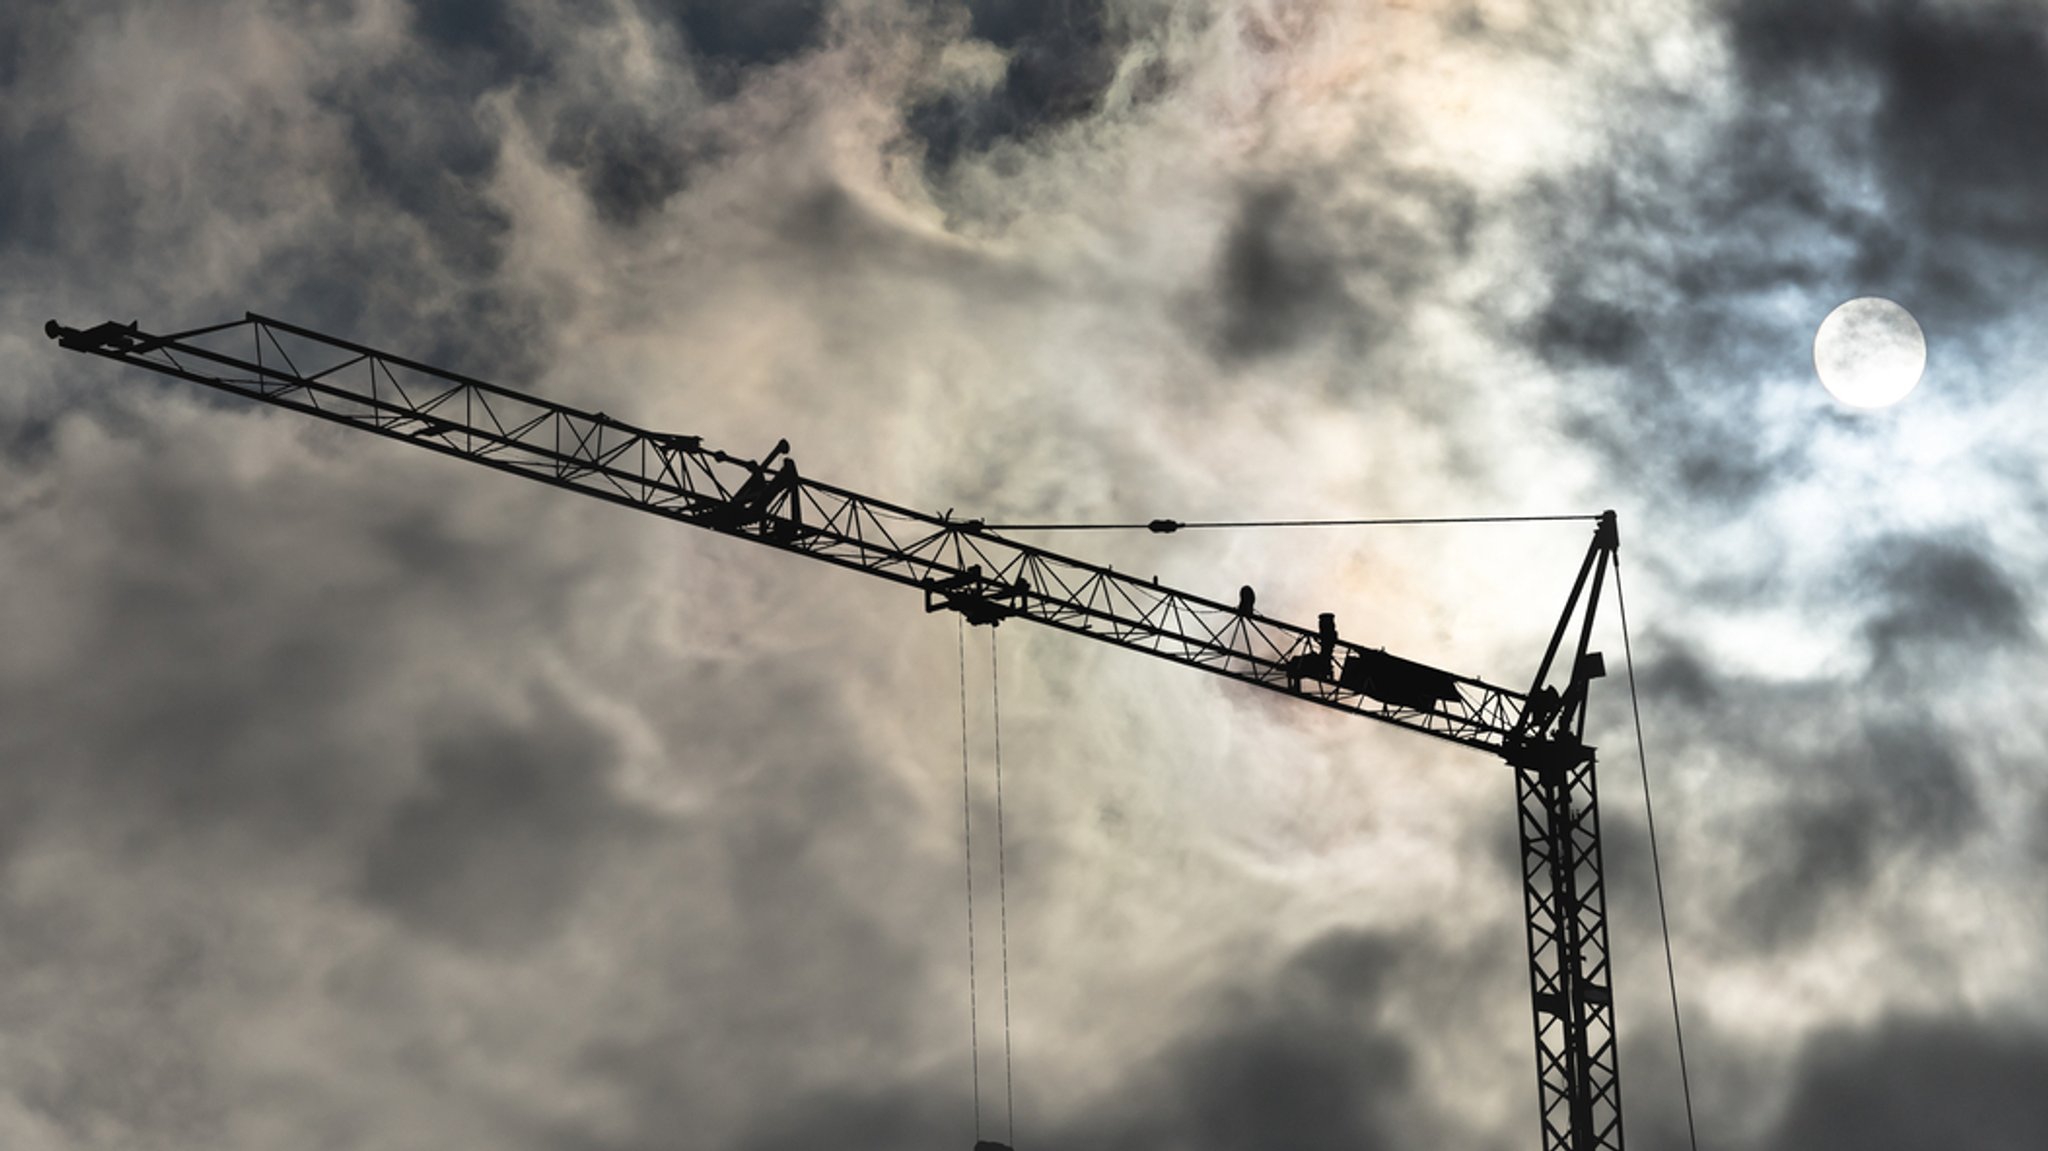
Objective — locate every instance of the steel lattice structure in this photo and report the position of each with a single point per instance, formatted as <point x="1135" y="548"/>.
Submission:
<point x="964" y="566"/>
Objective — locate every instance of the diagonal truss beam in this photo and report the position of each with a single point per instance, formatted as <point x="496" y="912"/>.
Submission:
<point x="959" y="565"/>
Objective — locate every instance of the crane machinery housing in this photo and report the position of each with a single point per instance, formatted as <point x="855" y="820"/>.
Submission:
<point x="966" y="566"/>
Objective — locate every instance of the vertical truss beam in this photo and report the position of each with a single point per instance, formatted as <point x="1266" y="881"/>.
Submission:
<point x="1564" y="890"/>
<point x="1578" y="1073"/>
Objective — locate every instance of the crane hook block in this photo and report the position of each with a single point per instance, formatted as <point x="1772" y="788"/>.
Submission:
<point x="981" y="599"/>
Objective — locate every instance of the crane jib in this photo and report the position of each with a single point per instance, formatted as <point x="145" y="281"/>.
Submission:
<point x="958" y="564"/>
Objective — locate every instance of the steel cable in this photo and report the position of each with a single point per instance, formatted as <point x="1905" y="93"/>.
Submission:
<point x="1656" y="862"/>
<point x="967" y="835"/>
<point x="1166" y="526"/>
<point x="1002" y="889"/>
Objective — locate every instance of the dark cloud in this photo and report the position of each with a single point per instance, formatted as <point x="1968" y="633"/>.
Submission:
<point x="1858" y="777"/>
<point x="1940" y="595"/>
<point x="141" y="1087"/>
<point x="56" y="202"/>
<point x="33" y="152"/>
<point x="1892" y="792"/>
<point x="1300" y="1062"/>
<point x="408" y="245"/>
<point x="728" y="38"/>
<point x="630" y="156"/>
<point x="1296" y="266"/>
<point x="1862" y="772"/>
<point x="1650" y="302"/>
<point x="630" y="152"/>
<point x="785" y="969"/>
<point x="40" y="168"/>
<point x="340" y="279"/>
<point x="631" y="160"/>
<point x="1914" y="1082"/>
<point x="1874" y="147"/>
<point x="189" y="686"/>
<point x="1578" y="326"/>
<point x="1009" y="23"/>
<point x="12" y="40"/>
<point x="1062" y="56"/>
<point x="741" y="32"/>
<point x="1681" y="677"/>
<point x="1277" y="277"/>
<point x="906" y="1117"/>
<point x="490" y="31"/>
<point x="28" y="31"/>
<point x="1957" y="95"/>
<point x="413" y="200"/>
<point x="512" y="817"/>
<point x="422" y="149"/>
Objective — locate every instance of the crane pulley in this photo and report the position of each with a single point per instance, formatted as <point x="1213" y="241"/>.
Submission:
<point x="963" y="565"/>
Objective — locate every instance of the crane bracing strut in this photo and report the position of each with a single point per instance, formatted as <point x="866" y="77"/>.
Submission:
<point x="964" y="566"/>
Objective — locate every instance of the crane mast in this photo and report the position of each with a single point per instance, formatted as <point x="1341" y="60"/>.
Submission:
<point x="962" y="565"/>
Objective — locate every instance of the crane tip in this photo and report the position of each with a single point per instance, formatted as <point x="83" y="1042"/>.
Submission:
<point x="1608" y="534"/>
<point x="53" y="329"/>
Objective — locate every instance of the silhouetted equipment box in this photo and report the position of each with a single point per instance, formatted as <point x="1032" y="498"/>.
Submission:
<point x="1391" y="679"/>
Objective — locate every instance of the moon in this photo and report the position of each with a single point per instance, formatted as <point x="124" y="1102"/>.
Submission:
<point x="1869" y="352"/>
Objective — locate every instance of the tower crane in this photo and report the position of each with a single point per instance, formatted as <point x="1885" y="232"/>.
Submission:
<point x="966" y="566"/>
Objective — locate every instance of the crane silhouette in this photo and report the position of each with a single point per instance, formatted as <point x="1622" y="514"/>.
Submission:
<point x="968" y="567"/>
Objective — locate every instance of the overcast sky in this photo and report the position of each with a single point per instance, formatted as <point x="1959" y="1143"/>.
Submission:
<point x="351" y="797"/>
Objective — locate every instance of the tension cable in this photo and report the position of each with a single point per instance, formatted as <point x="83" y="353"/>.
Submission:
<point x="1002" y="887"/>
<point x="967" y="834"/>
<point x="1656" y="864"/>
<point x="1167" y="527"/>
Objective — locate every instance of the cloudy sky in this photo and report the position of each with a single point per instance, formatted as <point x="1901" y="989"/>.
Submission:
<point x="354" y="798"/>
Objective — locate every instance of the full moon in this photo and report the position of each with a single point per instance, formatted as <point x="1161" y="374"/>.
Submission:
<point x="1869" y="352"/>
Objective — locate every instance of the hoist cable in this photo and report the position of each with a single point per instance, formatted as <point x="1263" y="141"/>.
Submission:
<point x="1165" y="527"/>
<point x="1002" y="887"/>
<point x="967" y="834"/>
<point x="1656" y="863"/>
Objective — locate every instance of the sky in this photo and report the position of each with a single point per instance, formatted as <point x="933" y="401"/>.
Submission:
<point x="352" y="797"/>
